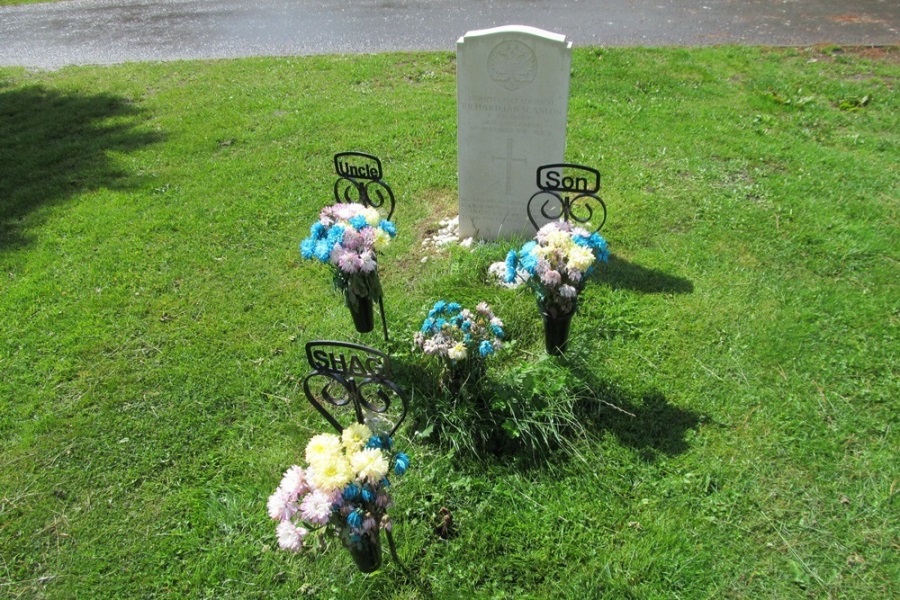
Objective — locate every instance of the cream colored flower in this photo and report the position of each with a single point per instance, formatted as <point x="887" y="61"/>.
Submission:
<point x="382" y="239"/>
<point x="370" y="464"/>
<point x="559" y="239"/>
<point x="355" y="437"/>
<point x="372" y="216"/>
<point x="332" y="474"/>
<point x="322" y="448"/>
<point x="580" y="258"/>
<point x="457" y="352"/>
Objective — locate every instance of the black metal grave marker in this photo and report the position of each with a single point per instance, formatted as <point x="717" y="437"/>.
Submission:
<point x="568" y="191"/>
<point x="353" y="377"/>
<point x="359" y="180"/>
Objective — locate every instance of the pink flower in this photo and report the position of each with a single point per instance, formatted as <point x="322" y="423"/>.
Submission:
<point x="281" y="505"/>
<point x="352" y="240"/>
<point x="367" y="261"/>
<point x="551" y="278"/>
<point x="294" y="482"/>
<point x="316" y="507"/>
<point x="290" y="537"/>
<point x="574" y="275"/>
<point x="349" y="262"/>
<point x="369" y="524"/>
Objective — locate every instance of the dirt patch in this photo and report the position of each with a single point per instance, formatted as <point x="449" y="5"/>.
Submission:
<point x="887" y="54"/>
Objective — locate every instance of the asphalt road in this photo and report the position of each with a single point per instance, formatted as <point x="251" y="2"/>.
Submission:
<point x="55" y="34"/>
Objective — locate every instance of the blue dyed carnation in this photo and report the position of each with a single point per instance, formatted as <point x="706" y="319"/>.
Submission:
<point x="323" y="250"/>
<point x="388" y="227"/>
<point x="498" y="331"/>
<point x="485" y="348"/>
<point x="368" y="494"/>
<point x="308" y="248"/>
<point x="355" y="519"/>
<point x="358" y="222"/>
<point x="318" y="230"/>
<point x="512" y="260"/>
<point x="351" y="492"/>
<point x="401" y="463"/>
<point x="528" y="261"/>
<point x="427" y="325"/>
<point x="336" y="234"/>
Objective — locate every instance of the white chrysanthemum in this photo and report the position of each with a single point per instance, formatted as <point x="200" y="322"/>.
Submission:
<point x="372" y="216"/>
<point x="355" y="436"/>
<point x="322" y="448"/>
<point x="559" y="239"/>
<point x="290" y="537"/>
<point x="370" y="464"/>
<point x="457" y="352"/>
<point x="580" y="258"/>
<point x="567" y="291"/>
<point x="332" y="474"/>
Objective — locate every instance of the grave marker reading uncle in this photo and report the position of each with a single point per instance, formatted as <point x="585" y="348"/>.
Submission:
<point x="512" y="100"/>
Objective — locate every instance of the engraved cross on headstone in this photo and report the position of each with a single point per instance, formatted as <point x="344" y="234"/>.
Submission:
<point x="509" y="164"/>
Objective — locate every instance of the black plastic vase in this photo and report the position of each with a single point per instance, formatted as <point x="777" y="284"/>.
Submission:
<point x="556" y="332"/>
<point x="363" y="314"/>
<point x="366" y="551"/>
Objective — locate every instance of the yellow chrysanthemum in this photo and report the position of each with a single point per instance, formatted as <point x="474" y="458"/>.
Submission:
<point x="370" y="464"/>
<point x="332" y="474"/>
<point x="355" y="436"/>
<point x="322" y="448"/>
<point x="382" y="239"/>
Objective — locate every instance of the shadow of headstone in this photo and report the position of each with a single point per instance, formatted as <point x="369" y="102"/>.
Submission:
<point x="621" y="274"/>
<point x="56" y="145"/>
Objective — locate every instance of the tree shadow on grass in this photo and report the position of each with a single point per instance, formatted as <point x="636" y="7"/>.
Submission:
<point x="618" y="273"/>
<point x="56" y="145"/>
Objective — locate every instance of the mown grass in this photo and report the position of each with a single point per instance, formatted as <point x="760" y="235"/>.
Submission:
<point x="154" y="310"/>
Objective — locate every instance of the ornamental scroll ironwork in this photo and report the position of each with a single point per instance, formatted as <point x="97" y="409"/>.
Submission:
<point x="359" y="180"/>
<point x="353" y="378"/>
<point x="569" y="192"/>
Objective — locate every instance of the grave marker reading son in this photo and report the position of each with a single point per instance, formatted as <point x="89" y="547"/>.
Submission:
<point x="512" y="100"/>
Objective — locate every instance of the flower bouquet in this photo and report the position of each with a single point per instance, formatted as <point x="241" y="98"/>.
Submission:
<point x="343" y="491"/>
<point x="347" y="237"/>
<point x="556" y="265"/>
<point x="462" y="338"/>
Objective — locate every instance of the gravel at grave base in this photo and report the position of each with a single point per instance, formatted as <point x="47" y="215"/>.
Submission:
<point x="449" y="234"/>
<point x="445" y="236"/>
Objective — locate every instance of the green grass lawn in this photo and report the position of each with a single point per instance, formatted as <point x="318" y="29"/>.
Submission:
<point x="154" y="308"/>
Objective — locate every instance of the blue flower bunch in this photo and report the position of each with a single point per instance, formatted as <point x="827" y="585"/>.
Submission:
<point x="556" y="264"/>
<point x="455" y="333"/>
<point x="347" y="236"/>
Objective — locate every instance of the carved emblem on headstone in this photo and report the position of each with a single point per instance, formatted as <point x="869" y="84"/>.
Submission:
<point x="512" y="64"/>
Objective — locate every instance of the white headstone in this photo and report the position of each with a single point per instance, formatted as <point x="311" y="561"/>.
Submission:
<point x="512" y="100"/>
